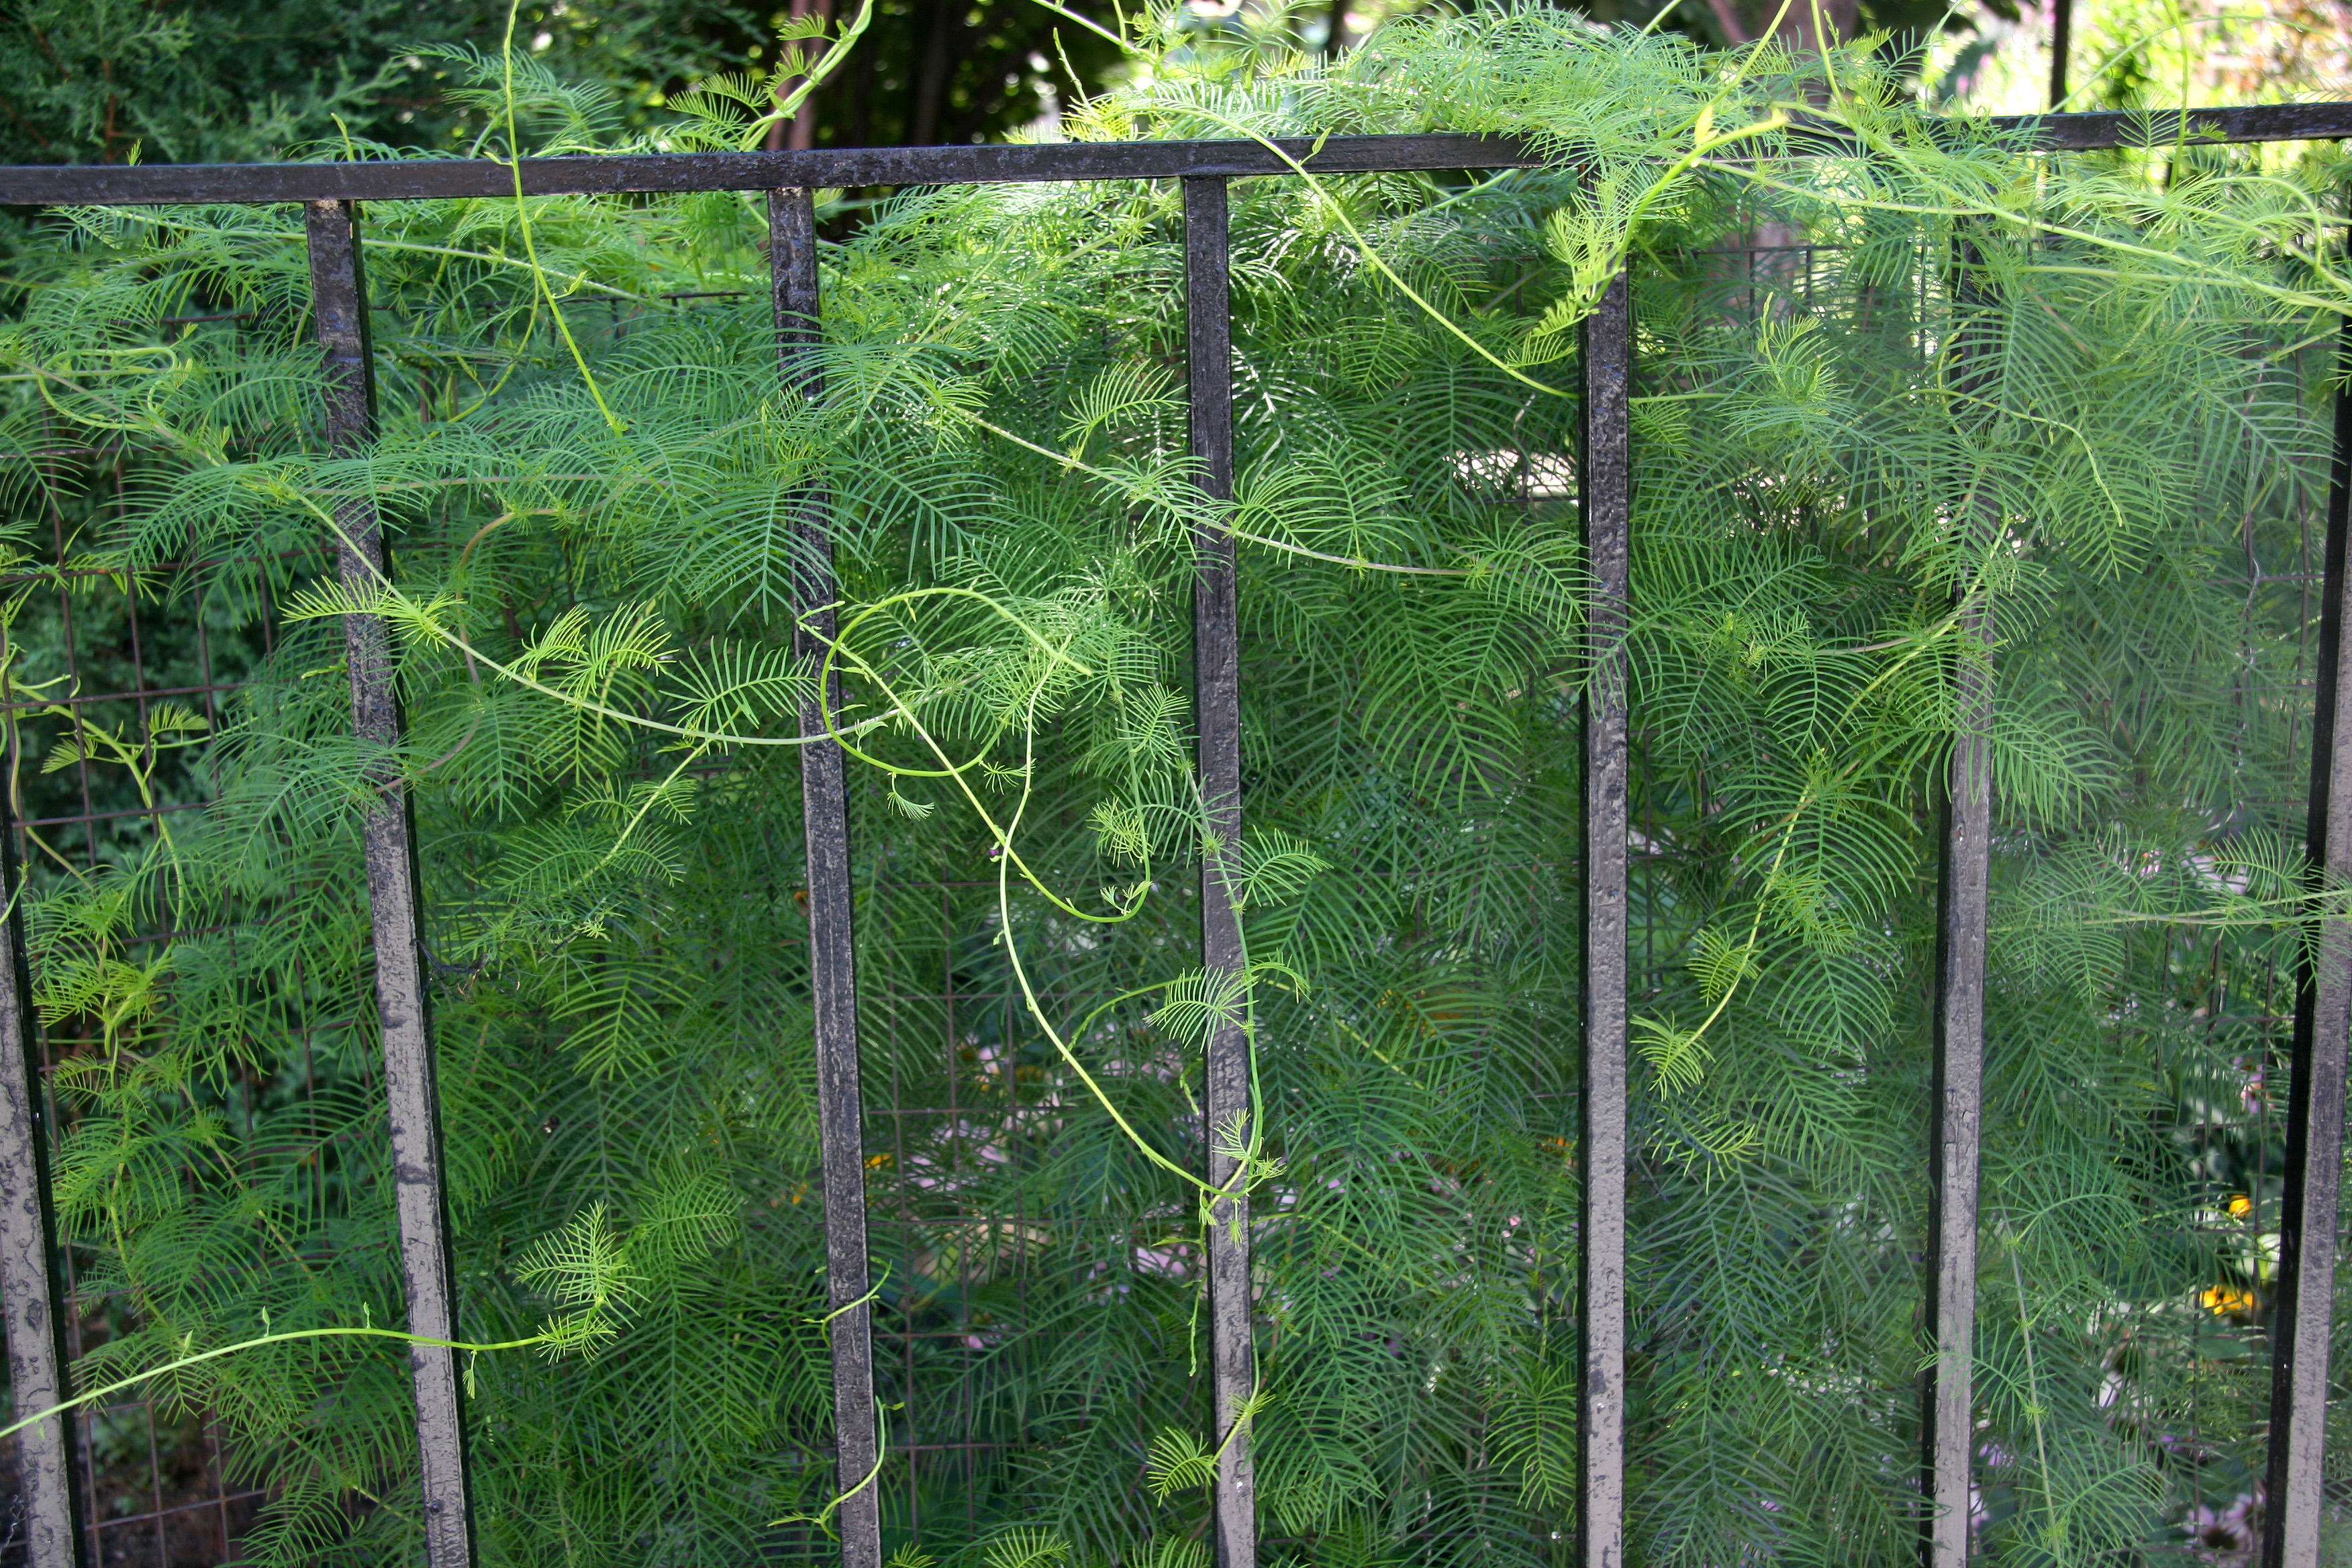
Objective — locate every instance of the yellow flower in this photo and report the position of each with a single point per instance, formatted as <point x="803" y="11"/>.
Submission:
<point x="2222" y="1300"/>
<point x="2241" y="1206"/>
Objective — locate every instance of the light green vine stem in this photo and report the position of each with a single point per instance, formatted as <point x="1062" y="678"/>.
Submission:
<point x="1247" y="1162"/>
<point x="2033" y="1409"/>
<point x="827" y="64"/>
<point x="847" y="1307"/>
<point x="421" y="617"/>
<point x="1037" y="1009"/>
<point x="784" y="109"/>
<point x="823" y="1518"/>
<point x="1009" y="860"/>
<point x="135" y="1379"/>
<point x="579" y="281"/>
<point x="1703" y="153"/>
<point x="1675" y="1047"/>
<point x="1703" y="145"/>
<point x="899" y="710"/>
<point x="1007" y="836"/>
<point x="530" y="246"/>
<point x="1078" y="466"/>
<point x="2301" y="299"/>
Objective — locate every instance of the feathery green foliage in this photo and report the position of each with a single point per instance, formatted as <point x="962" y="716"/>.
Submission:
<point x="2114" y="449"/>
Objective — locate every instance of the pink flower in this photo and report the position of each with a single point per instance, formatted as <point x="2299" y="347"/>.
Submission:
<point x="2226" y="1536"/>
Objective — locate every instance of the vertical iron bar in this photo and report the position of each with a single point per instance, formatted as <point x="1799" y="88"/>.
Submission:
<point x="1958" y="1098"/>
<point x="48" y="1481"/>
<point x="1956" y="1092"/>
<point x="338" y="297"/>
<point x="2062" y="43"/>
<point x="2295" y="1499"/>
<point x="1605" y="497"/>
<point x="1216" y="673"/>
<point x="833" y="975"/>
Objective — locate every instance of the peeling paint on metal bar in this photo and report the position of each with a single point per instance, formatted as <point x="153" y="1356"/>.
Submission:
<point x="1606" y="502"/>
<point x="339" y="296"/>
<point x="2310" y="1215"/>
<point x="833" y="971"/>
<point x="1216" y="676"/>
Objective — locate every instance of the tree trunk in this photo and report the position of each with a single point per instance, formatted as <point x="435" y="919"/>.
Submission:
<point x="925" y="113"/>
<point x="1803" y="26"/>
<point x="1806" y="27"/>
<point x="799" y="132"/>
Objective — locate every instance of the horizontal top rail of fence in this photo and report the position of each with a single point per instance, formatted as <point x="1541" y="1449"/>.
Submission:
<point x="651" y="173"/>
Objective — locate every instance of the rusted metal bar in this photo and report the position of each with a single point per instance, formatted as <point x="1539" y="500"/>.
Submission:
<point x="616" y="173"/>
<point x="1957" y="1097"/>
<point x="2061" y="44"/>
<point x="338" y="297"/>
<point x="1605" y="496"/>
<point x="48" y="1481"/>
<point x="833" y="960"/>
<point x="2295" y="1499"/>
<point x="1947" y="1429"/>
<point x="1217" y="694"/>
<point x="816" y="169"/>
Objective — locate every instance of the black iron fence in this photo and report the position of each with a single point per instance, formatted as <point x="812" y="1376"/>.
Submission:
<point x="55" y="1508"/>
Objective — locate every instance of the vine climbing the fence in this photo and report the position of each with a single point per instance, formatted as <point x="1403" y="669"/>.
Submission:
<point x="2042" y="426"/>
